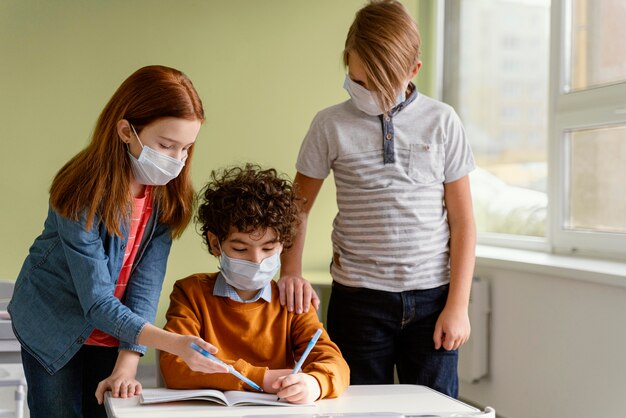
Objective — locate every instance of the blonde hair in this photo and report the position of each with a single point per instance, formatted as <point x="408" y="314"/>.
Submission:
<point x="386" y="39"/>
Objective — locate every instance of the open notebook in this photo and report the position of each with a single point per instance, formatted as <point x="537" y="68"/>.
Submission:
<point x="227" y="398"/>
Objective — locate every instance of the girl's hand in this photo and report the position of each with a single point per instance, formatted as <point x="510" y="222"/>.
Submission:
<point x="180" y="345"/>
<point x="452" y="329"/>
<point x="296" y="292"/>
<point x="122" y="382"/>
<point x="196" y="361"/>
<point x="299" y="388"/>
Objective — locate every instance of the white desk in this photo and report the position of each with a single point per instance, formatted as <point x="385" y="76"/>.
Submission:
<point x="406" y="399"/>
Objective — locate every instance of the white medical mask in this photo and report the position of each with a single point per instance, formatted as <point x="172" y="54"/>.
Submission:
<point x="364" y="99"/>
<point x="248" y="275"/>
<point x="153" y="168"/>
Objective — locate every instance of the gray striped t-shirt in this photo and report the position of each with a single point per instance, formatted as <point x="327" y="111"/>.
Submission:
<point x="391" y="232"/>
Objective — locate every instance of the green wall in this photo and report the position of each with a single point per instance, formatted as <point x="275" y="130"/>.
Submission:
<point x="262" y="68"/>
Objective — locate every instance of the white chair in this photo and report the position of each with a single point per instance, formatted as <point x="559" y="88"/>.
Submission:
<point x="6" y="291"/>
<point x="12" y="374"/>
<point x="489" y="412"/>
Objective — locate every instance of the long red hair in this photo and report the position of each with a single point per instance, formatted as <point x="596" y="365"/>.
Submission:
<point x="97" y="180"/>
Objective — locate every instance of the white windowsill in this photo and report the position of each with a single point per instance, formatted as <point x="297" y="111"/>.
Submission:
<point x="579" y="268"/>
<point x="570" y="267"/>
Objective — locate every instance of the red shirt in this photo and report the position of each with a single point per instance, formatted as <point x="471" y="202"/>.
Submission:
<point x="142" y="209"/>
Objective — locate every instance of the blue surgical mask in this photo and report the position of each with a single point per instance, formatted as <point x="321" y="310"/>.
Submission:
<point x="153" y="168"/>
<point x="364" y="99"/>
<point x="248" y="275"/>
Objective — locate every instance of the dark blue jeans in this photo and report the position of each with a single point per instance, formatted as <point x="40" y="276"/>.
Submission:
<point x="378" y="330"/>
<point x="70" y="392"/>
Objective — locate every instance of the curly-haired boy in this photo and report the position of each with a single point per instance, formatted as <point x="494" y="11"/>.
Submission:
<point x="246" y="217"/>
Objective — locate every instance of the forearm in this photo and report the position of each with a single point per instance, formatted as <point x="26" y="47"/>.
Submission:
<point x="291" y="259"/>
<point x="462" y="260"/>
<point x="307" y="188"/>
<point x="158" y="338"/>
<point x="127" y="360"/>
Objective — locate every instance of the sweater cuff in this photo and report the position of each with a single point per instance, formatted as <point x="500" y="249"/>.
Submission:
<point x="322" y="380"/>
<point x="254" y="373"/>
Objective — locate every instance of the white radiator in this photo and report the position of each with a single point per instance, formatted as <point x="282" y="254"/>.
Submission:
<point x="474" y="355"/>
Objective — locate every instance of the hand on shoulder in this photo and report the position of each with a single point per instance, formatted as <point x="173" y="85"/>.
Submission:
<point x="296" y="292"/>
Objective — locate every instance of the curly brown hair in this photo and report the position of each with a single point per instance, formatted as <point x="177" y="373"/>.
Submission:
<point x="247" y="199"/>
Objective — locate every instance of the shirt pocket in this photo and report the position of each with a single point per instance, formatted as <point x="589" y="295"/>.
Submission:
<point x="426" y="163"/>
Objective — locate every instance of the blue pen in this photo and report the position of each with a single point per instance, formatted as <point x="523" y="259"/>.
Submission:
<point x="231" y="369"/>
<point x="308" y="349"/>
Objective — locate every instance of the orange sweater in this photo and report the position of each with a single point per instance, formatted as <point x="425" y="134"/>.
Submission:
<point x="251" y="336"/>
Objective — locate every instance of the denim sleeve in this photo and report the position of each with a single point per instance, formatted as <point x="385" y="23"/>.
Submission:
<point x="88" y="261"/>
<point x="146" y="282"/>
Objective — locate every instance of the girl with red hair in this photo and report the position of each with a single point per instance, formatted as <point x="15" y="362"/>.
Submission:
<point x="89" y="288"/>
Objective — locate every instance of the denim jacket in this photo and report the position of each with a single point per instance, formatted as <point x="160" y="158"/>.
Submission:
<point x="65" y="288"/>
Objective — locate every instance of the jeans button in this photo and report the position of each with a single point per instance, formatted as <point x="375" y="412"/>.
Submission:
<point x="80" y="340"/>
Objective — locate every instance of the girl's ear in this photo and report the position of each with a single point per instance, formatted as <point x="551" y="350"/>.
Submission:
<point x="214" y="243"/>
<point x="124" y="131"/>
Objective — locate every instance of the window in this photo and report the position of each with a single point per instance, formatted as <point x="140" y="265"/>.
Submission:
<point x="496" y="74"/>
<point x="595" y="53"/>
<point x="588" y="127"/>
<point x="541" y="88"/>
<point x="594" y="156"/>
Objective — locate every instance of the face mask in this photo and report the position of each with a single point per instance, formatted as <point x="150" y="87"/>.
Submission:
<point x="248" y="275"/>
<point x="153" y="168"/>
<point x="364" y="99"/>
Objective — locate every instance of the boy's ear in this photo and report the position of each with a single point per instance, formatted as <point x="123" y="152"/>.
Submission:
<point x="214" y="243"/>
<point x="415" y="69"/>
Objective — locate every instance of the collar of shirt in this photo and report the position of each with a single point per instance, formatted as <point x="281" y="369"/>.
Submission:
<point x="389" y="153"/>
<point x="223" y="289"/>
<point x="407" y="101"/>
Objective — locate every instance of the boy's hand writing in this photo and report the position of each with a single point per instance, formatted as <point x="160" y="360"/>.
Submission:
<point x="271" y="376"/>
<point x="299" y="388"/>
<point x="296" y="292"/>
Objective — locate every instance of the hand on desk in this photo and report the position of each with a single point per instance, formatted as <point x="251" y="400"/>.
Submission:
<point x="122" y="382"/>
<point x="299" y="388"/>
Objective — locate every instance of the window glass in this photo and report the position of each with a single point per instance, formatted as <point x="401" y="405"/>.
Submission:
<point x="598" y="50"/>
<point x="596" y="195"/>
<point x="501" y="94"/>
